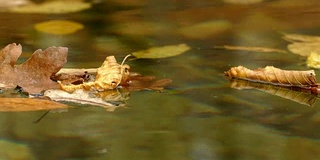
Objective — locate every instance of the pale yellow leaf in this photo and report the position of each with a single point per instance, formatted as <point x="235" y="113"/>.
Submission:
<point x="53" y="7"/>
<point x="304" y="48"/>
<point x="58" y="27"/>
<point x="300" y="38"/>
<point x="162" y="52"/>
<point x="313" y="60"/>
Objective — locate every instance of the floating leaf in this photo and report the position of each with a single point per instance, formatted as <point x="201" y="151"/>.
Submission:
<point x="136" y="81"/>
<point x="243" y="2"/>
<point x="110" y="100"/>
<point x="34" y="74"/>
<point x="15" y="150"/>
<point x="109" y="76"/>
<point x="304" y="48"/>
<point x="274" y="75"/>
<point x="53" y="7"/>
<point x="302" y="44"/>
<point x="58" y="27"/>
<point x="162" y="52"/>
<point x="252" y="49"/>
<point x="28" y="104"/>
<point x="205" y="29"/>
<point x="295" y="94"/>
<point x="300" y="38"/>
<point x="313" y="60"/>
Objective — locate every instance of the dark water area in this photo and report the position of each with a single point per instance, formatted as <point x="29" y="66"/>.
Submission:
<point x="199" y="115"/>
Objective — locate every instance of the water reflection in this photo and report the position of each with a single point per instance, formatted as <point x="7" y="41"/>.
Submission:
<point x="199" y="116"/>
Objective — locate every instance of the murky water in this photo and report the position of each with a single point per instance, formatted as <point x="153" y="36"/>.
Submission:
<point x="198" y="116"/>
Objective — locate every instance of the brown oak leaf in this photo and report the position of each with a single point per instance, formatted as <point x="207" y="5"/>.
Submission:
<point x="34" y="74"/>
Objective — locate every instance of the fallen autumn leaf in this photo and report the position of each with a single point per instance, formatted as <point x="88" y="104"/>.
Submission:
<point x="162" y="52"/>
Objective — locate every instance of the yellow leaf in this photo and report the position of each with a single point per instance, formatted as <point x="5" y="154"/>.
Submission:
<point x="58" y="27"/>
<point x="162" y="52"/>
<point x="302" y="44"/>
<point x="53" y="7"/>
<point x="313" y="60"/>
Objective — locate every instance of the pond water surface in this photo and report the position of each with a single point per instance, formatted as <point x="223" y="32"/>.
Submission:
<point x="198" y="116"/>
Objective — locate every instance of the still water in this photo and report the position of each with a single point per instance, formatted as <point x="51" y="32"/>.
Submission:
<point x="198" y="116"/>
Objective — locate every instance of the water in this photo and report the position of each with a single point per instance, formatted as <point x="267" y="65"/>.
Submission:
<point x="198" y="116"/>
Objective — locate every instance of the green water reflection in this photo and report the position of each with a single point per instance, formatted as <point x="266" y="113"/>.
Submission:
<point x="198" y="116"/>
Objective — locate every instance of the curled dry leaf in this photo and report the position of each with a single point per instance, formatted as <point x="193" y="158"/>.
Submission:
<point x="162" y="52"/>
<point x="136" y="82"/>
<point x="275" y="76"/>
<point x="109" y="76"/>
<point x="297" y="94"/>
<point x="34" y="74"/>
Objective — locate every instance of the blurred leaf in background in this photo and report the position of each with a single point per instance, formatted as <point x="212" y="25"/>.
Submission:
<point x="162" y="52"/>
<point x="58" y="27"/>
<point x="53" y="7"/>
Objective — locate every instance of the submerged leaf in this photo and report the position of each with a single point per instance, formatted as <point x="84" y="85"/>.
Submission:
<point x="58" y="27"/>
<point x="243" y="2"/>
<point x="53" y="7"/>
<point x="28" y="104"/>
<point x="274" y="75"/>
<point x="15" y="150"/>
<point x="253" y="49"/>
<point x="110" y="100"/>
<point x="205" y="29"/>
<point x="162" y="52"/>
<point x="313" y="60"/>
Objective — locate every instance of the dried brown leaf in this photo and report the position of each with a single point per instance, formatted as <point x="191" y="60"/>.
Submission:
<point x="28" y="104"/>
<point x="109" y="76"/>
<point x="34" y="74"/>
<point x="10" y="54"/>
<point x="274" y="75"/>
